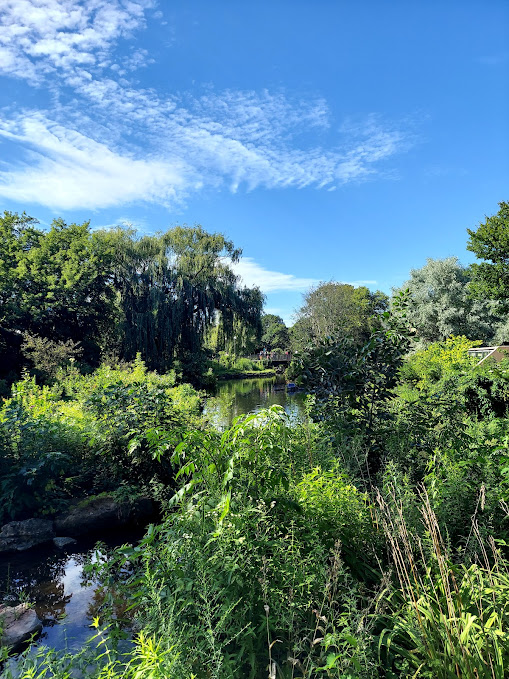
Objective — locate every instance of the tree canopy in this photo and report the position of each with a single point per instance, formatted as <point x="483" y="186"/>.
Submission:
<point x="274" y="333"/>
<point x="444" y="306"/>
<point x="110" y="289"/>
<point x="333" y="308"/>
<point x="490" y="242"/>
<point x="56" y="283"/>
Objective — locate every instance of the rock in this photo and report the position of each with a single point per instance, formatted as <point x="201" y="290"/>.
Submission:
<point x="101" y="514"/>
<point x="63" y="542"/>
<point x="17" y="624"/>
<point x="17" y="536"/>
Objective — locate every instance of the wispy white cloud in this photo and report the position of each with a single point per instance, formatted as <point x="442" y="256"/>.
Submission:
<point x="65" y="169"/>
<point x="253" y="274"/>
<point x="107" y="142"/>
<point x="38" y="37"/>
<point x="181" y="153"/>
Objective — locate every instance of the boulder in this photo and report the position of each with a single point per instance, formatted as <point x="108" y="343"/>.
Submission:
<point x="63" y="542"/>
<point x="101" y="514"/>
<point x="17" y="536"/>
<point x="17" y="625"/>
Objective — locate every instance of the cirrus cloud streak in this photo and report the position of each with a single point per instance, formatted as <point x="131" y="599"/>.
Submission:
<point x="108" y="142"/>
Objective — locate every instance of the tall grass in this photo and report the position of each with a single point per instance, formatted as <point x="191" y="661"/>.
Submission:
<point x="447" y="621"/>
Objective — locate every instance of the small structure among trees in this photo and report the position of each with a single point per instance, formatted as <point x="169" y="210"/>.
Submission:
<point x="484" y="354"/>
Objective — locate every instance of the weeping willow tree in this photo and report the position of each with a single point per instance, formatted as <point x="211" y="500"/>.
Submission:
<point x="172" y="287"/>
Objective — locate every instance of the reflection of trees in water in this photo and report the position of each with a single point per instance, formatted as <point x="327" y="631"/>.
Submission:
<point x="39" y="575"/>
<point x="238" y="397"/>
<point x="37" y="579"/>
<point x="113" y="602"/>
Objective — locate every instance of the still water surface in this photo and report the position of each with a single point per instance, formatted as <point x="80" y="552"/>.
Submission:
<point x="237" y="397"/>
<point x="53" y="579"/>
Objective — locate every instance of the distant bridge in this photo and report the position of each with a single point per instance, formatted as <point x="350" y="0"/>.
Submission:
<point x="272" y="357"/>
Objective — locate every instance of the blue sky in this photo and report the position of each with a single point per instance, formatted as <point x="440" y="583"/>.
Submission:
<point x="328" y="139"/>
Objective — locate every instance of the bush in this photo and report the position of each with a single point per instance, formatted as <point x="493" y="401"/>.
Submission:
<point x="86" y="434"/>
<point x="48" y="356"/>
<point x="39" y="451"/>
<point x="256" y="553"/>
<point x="427" y="367"/>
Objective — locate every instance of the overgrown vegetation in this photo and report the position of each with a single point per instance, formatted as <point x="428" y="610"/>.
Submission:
<point x="118" y="294"/>
<point x="368" y="540"/>
<point x="86" y="434"/>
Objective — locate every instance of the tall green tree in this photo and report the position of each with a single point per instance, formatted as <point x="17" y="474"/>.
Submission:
<point x="274" y="333"/>
<point x="332" y="308"/>
<point x="490" y="242"/>
<point x="173" y="287"/>
<point x="444" y="306"/>
<point x="109" y="289"/>
<point x="352" y="381"/>
<point x="56" y="283"/>
<point x="18" y="235"/>
<point x="300" y="334"/>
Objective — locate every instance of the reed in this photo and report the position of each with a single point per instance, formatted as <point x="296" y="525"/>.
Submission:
<point x="447" y="621"/>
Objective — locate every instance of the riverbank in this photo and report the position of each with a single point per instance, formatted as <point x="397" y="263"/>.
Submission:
<point x="51" y="574"/>
<point x="235" y="374"/>
<point x="229" y="367"/>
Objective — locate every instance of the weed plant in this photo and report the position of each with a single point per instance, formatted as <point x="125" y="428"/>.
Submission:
<point x="86" y="434"/>
<point x="447" y="620"/>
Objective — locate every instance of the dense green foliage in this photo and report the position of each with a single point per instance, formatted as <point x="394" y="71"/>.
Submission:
<point x="332" y="309"/>
<point x="87" y="434"/>
<point x="444" y="305"/>
<point x="227" y="365"/>
<point x="275" y="334"/>
<point x="490" y="242"/>
<point x="355" y="545"/>
<point x="115" y="293"/>
<point x="370" y="539"/>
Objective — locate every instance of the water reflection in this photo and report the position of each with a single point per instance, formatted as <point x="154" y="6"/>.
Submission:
<point x="237" y="397"/>
<point x="53" y="580"/>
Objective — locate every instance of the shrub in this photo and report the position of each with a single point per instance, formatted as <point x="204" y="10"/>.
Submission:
<point x="257" y="552"/>
<point x="48" y="356"/>
<point x="439" y="359"/>
<point x="86" y="434"/>
<point x="39" y="451"/>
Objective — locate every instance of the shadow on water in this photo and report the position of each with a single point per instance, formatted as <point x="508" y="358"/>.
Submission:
<point x="239" y="397"/>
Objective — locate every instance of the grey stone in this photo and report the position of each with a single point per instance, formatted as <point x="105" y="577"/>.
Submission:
<point x="17" y="536"/>
<point x="17" y="624"/>
<point x="102" y="513"/>
<point x="63" y="542"/>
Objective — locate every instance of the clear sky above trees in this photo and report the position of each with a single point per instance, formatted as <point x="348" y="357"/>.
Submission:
<point x="353" y="159"/>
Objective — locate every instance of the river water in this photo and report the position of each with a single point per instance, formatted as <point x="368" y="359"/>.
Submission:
<point x="53" y="578"/>
<point x="238" y="397"/>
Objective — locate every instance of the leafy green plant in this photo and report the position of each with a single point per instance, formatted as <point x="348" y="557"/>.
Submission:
<point x="48" y="356"/>
<point x="352" y="383"/>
